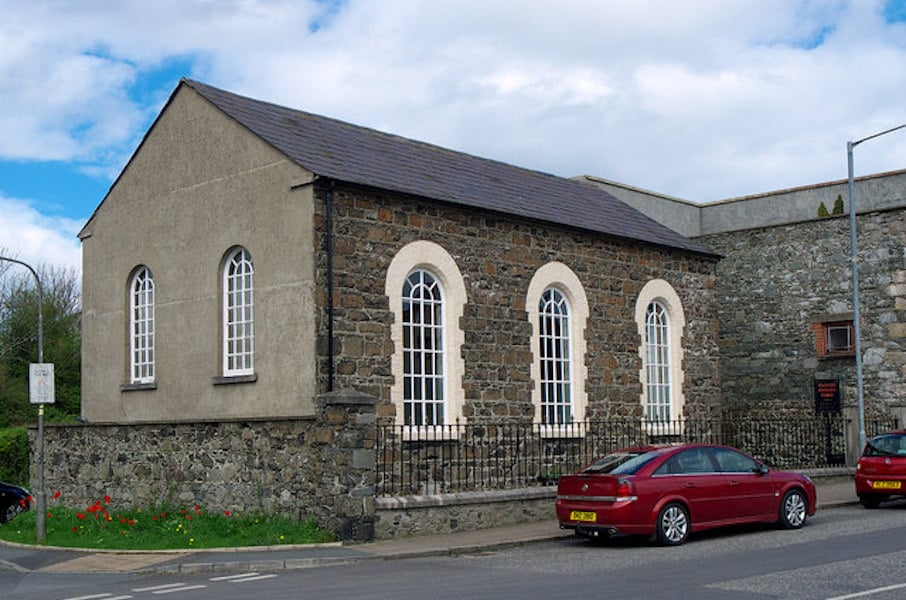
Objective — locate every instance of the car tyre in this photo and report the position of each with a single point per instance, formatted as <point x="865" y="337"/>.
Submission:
<point x="9" y="512"/>
<point x="673" y="525"/>
<point x="871" y="500"/>
<point x="793" y="509"/>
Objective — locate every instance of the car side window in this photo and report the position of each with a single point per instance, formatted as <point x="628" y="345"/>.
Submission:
<point x="692" y="461"/>
<point x="731" y="461"/>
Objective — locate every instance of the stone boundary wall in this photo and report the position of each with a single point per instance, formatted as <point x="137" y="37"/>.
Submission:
<point x="321" y="467"/>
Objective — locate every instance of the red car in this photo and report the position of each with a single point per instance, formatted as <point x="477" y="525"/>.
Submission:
<point x="669" y="491"/>
<point x="881" y="471"/>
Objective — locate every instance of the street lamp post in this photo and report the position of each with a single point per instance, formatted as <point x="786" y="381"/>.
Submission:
<point x="40" y="501"/>
<point x="857" y="330"/>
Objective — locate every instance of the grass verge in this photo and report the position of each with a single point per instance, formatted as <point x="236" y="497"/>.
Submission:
<point x="101" y="526"/>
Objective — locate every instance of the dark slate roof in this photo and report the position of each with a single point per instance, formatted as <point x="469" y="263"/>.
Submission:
<point x="354" y="154"/>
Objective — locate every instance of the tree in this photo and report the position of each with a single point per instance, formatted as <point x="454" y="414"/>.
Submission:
<point x="19" y="342"/>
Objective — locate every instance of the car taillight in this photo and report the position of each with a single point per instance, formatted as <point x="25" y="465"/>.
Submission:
<point x="625" y="489"/>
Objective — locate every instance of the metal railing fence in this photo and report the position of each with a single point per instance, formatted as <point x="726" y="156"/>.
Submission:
<point x="497" y="456"/>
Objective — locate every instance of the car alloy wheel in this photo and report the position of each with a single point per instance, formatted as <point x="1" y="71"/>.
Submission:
<point x="9" y="512"/>
<point x="672" y="525"/>
<point x="793" y="509"/>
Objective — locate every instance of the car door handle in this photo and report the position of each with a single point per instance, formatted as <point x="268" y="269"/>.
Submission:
<point x="691" y="485"/>
<point x="734" y="483"/>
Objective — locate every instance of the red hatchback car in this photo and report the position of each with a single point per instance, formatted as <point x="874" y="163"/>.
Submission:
<point x="881" y="471"/>
<point x="669" y="491"/>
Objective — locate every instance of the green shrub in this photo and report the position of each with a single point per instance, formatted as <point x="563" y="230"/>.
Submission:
<point x="822" y="211"/>
<point x="14" y="455"/>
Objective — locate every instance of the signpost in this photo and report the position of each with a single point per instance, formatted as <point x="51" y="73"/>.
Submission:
<point x="42" y="384"/>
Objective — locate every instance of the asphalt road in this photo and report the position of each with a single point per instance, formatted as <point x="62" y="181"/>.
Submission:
<point x="842" y="553"/>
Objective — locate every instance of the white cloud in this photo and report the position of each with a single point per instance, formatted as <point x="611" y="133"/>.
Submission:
<point x="36" y="239"/>
<point x="703" y="100"/>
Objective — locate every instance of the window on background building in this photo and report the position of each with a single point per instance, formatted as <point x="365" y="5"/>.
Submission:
<point x="141" y="327"/>
<point x="834" y="338"/>
<point x="238" y="314"/>
<point x="423" y="350"/>
<point x="556" y="373"/>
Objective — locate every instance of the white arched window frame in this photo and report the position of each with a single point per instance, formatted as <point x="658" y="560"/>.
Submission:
<point x="558" y="311"/>
<point x="141" y="327"/>
<point x="424" y="364"/>
<point x="446" y="336"/>
<point x="238" y="314"/>
<point x="661" y="321"/>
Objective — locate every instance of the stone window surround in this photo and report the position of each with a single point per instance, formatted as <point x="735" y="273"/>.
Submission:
<point x="559" y="276"/>
<point x="432" y="257"/>
<point x="658" y="290"/>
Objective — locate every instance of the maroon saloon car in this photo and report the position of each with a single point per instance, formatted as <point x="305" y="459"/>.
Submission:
<point x="881" y="472"/>
<point x="669" y="491"/>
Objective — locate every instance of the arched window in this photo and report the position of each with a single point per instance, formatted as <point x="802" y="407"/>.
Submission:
<point x="423" y="350"/>
<point x="657" y="363"/>
<point x="660" y="319"/>
<point x="141" y="327"/>
<point x="558" y="311"/>
<point x="556" y="371"/>
<point x="238" y="314"/>
<point x="427" y="296"/>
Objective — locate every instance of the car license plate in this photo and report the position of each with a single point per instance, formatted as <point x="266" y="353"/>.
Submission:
<point x="886" y="485"/>
<point x="579" y="515"/>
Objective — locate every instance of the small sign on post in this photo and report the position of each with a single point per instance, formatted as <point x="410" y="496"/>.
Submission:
<point x="40" y="383"/>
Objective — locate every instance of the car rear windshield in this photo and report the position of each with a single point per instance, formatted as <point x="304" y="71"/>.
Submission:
<point x="886" y="445"/>
<point x="620" y="463"/>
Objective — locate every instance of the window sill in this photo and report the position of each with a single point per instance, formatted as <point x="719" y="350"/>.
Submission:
<point x="138" y="387"/>
<point x="232" y="379"/>
<point x="836" y="355"/>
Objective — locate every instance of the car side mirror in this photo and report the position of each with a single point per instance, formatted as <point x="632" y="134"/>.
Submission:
<point x="761" y="469"/>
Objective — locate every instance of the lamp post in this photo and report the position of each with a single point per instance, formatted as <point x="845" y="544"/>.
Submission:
<point x="857" y="330"/>
<point x="40" y="503"/>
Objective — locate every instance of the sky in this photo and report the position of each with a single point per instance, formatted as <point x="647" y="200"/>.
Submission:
<point x="701" y="99"/>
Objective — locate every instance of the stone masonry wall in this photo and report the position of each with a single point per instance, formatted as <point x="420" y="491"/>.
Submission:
<point x="322" y="468"/>
<point x="497" y="256"/>
<point x="775" y="282"/>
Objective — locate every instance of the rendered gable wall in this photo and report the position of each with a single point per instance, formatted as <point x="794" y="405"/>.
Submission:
<point x="198" y="186"/>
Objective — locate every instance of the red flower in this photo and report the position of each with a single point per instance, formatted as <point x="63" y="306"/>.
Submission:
<point x="75" y="529"/>
<point x="49" y="515"/>
<point x="132" y="521"/>
<point x="226" y="513"/>
<point x="107" y="500"/>
<point x="80" y="515"/>
<point x="22" y="502"/>
<point x="123" y="520"/>
<point x="57" y="494"/>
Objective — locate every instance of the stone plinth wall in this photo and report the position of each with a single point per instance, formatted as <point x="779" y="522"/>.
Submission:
<point x="409" y="516"/>
<point x="321" y="467"/>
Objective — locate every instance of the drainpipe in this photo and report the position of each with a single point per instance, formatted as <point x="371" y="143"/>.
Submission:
<point x="330" y="350"/>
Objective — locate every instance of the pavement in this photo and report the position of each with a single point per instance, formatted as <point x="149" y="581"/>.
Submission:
<point x="834" y="490"/>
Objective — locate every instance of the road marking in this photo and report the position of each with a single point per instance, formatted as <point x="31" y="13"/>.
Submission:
<point x="229" y="577"/>
<point x="185" y="588"/>
<point x="158" y="587"/>
<point x="870" y="592"/>
<point x="255" y="578"/>
<point x="105" y="596"/>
